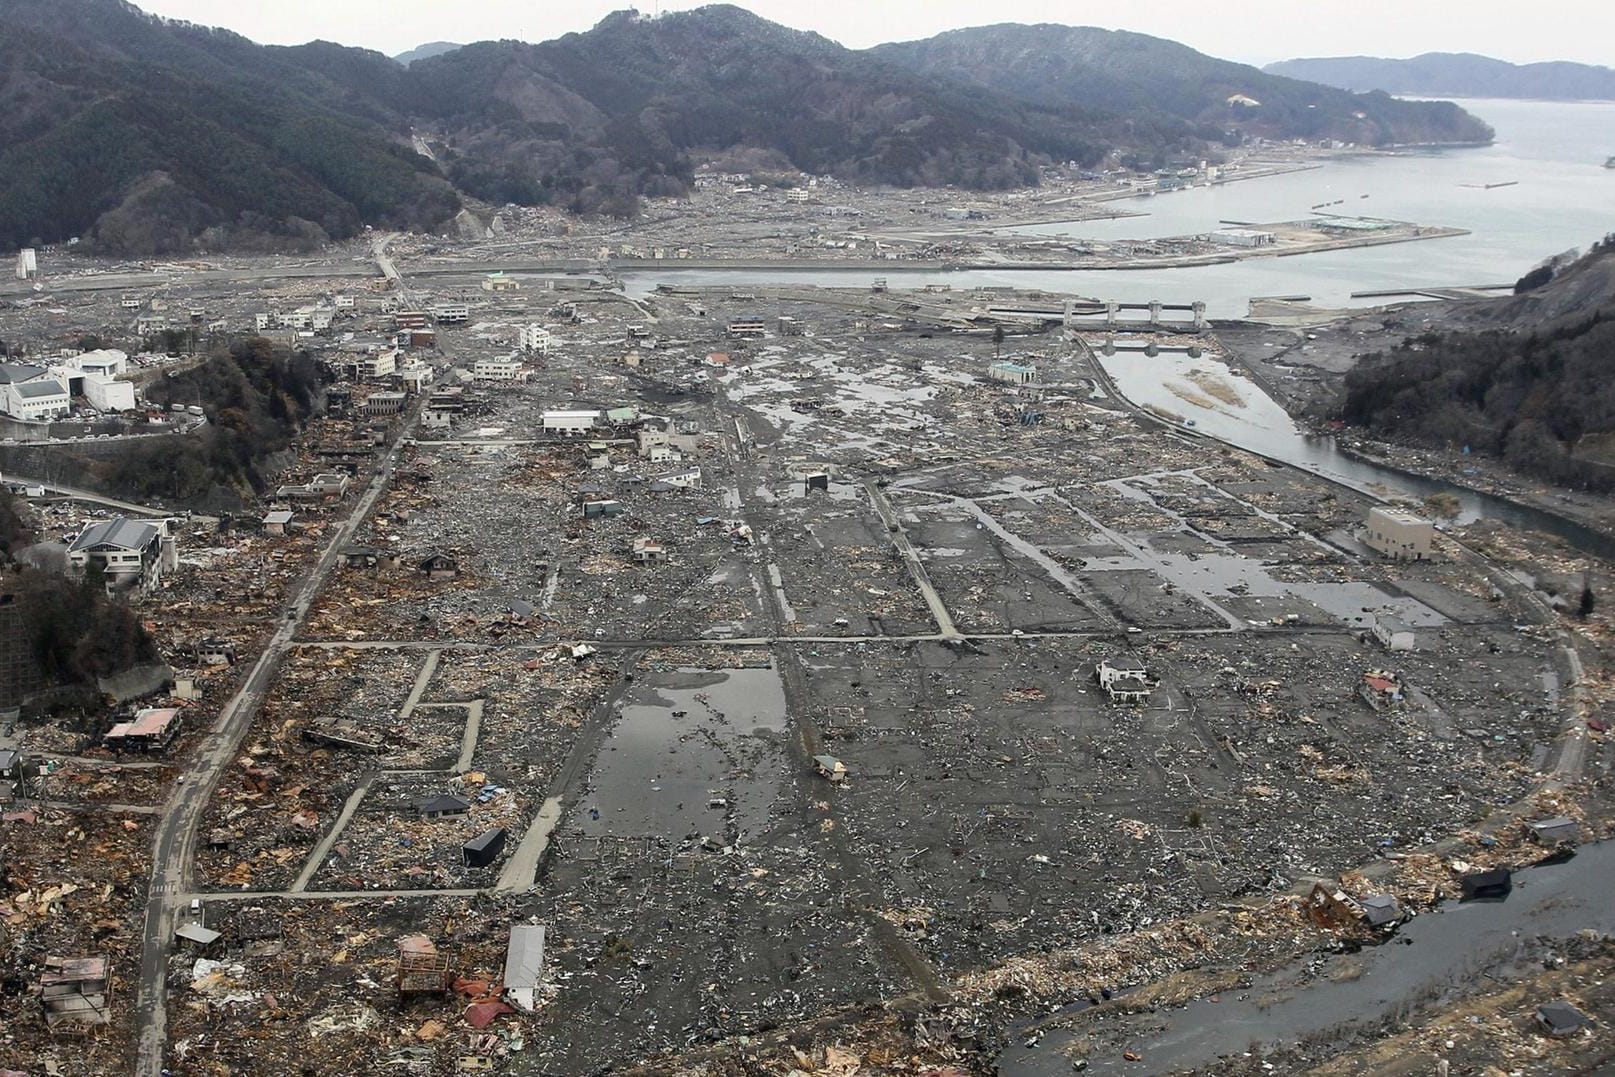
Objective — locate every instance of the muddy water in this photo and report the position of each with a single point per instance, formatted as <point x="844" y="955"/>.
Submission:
<point x="1436" y="954"/>
<point x="693" y="753"/>
<point x="1170" y="383"/>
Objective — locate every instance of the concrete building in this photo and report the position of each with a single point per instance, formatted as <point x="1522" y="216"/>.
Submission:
<point x="276" y="523"/>
<point x="453" y="314"/>
<point x="379" y="364"/>
<point x="1399" y="534"/>
<point x="507" y="369"/>
<point x="1243" y="237"/>
<point x="27" y="263"/>
<point x="1012" y="373"/>
<point x="753" y="328"/>
<point x="1395" y="634"/>
<point x="385" y="403"/>
<point x="132" y="553"/>
<point x="533" y="338"/>
<point x="37" y="400"/>
<point x="498" y="282"/>
<point x="93" y="376"/>
<point x="1124" y="680"/>
<point x="570" y="423"/>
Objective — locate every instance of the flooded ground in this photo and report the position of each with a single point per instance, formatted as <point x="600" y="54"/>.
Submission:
<point x="1240" y="413"/>
<point x="696" y="752"/>
<point x="1433" y="958"/>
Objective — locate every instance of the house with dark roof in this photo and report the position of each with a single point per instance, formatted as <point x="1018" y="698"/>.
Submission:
<point x="443" y="806"/>
<point x="132" y="553"/>
<point x="1560" y="1018"/>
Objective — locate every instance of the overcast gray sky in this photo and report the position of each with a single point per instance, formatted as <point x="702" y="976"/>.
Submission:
<point x="1254" y="31"/>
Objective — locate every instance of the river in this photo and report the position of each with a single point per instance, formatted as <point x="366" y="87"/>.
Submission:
<point x="1436" y="955"/>
<point x="1261" y="425"/>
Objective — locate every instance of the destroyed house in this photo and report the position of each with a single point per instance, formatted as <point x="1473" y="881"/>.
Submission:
<point x="76" y="993"/>
<point x="1394" y="634"/>
<point x="362" y="556"/>
<point x="687" y="479"/>
<point x="151" y="729"/>
<point x="1380" y="690"/>
<point x="1012" y="373"/>
<point x="343" y="733"/>
<point x="485" y="848"/>
<point x="648" y="550"/>
<point x="438" y="566"/>
<point x="593" y="510"/>
<point x="215" y="652"/>
<point x="1560" y="1018"/>
<point x="1124" y="680"/>
<point x="829" y="768"/>
<point x="524" y="966"/>
<point x="1381" y="909"/>
<point x="445" y="806"/>
<point x="276" y="523"/>
<point x="1559" y="829"/>
<point x="422" y="970"/>
<point x="1492" y="885"/>
<point x="11" y="774"/>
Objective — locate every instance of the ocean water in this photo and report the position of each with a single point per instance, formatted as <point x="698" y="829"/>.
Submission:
<point x="1561" y="198"/>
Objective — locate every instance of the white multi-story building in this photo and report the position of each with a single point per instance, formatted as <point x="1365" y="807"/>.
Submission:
<point x="569" y="422"/>
<point x="507" y="369"/>
<point x="94" y="376"/>
<point x="534" y="338"/>
<point x="32" y="393"/>
<point x="132" y="553"/>
<point x="380" y="364"/>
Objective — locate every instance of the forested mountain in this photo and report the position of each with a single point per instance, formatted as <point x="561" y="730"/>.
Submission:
<point x="426" y="51"/>
<point x="144" y="135"/>
<point x="1536" y="390"/>
<point x="643" y="96"/>
<point x="1115" y="70"/>
<point x="1457" y="74"/>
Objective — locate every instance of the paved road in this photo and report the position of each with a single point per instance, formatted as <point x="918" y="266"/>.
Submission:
<point x="174" y="851"/>
<point x="86" y="495"/>
<point x="911" y="557"/>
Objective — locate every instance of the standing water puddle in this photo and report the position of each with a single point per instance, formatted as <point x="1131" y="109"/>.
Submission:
<point x="697" y="752"/>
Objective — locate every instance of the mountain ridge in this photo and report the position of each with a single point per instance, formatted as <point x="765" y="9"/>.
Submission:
<point x="146" y="135"/>
<point x="427" y="51"/>
<point x="1052" y="64"/>
<point x="1456" y="74"/>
